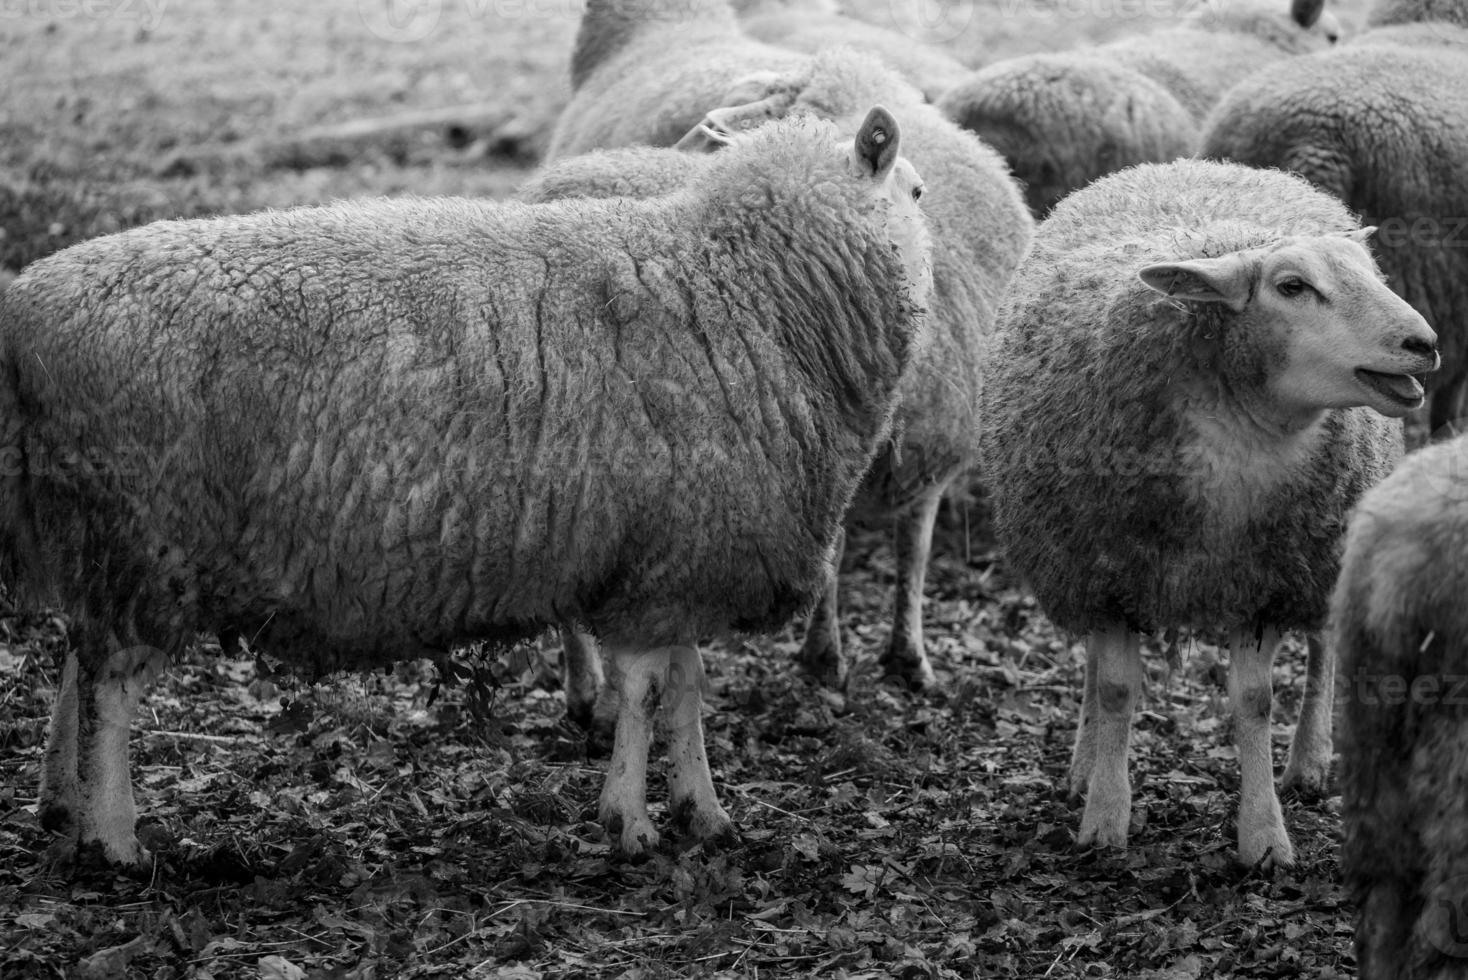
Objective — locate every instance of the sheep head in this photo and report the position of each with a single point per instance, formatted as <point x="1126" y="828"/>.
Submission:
<point x="1313" y="318"/>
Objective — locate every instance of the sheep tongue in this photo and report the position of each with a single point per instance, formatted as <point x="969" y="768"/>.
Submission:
<point x="1401" y="386"/>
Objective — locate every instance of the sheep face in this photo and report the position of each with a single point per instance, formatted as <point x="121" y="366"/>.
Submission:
<point x="897" y="192"/>
<point x="1314" y="324"/>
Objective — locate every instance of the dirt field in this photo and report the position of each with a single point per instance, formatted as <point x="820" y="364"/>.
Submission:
<point x="385" y="828"/>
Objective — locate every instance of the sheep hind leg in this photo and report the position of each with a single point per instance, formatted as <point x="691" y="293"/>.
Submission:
<point x="1307" y="770"/>
<point x="1118" y="672"/>
<point x="1262" y="837"/>
<point x="820" y="655"/>
<point x="107" y="699"/>
<point x="905" y="656"/>
<point x="1083" y="755"/>
<point x="59" y="791"/>
<point x="694" y="801"/>
<point x="623" y="811"/>
<point x="591" y="697"/>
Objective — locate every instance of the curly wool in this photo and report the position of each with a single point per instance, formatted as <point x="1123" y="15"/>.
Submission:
<point x="375" y="430"/>
<point x="1086" y="444"/>
<point x="1066" y="118"/>
<point x="645" y="71"/>
<point x="1382" y="124"/>
<point x="1400" y="624"/>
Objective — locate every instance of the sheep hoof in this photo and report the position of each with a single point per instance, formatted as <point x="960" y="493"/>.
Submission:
<point x="1307" y="780"/>
<point x="704" y="823"/>
<point x="1103" y="829"/>
<point x="821" y="658"/>
<point x="635" y="837"/>
<point x="1267" y="850"/>
<point x="911" y="667"/>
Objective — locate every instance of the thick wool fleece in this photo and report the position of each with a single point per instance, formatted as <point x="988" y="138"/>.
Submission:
<point x="1086" y="443"/>
<point x="1066" y="118"/>
<point x="375" y="430"/>
<point x="1382" y="124"/>
<point x="645" y="71"/>
<point x="1400" y="623"/>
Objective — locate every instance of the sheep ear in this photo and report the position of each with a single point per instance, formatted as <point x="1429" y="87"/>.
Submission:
<point x="1362" y="236"/>
<point x="1306" y="12"/>
<point x="1227" y="280"/>
<point x="876" y="143"/>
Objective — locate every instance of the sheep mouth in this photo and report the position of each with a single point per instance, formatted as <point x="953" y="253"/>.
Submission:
<point x="1401" y="389"/>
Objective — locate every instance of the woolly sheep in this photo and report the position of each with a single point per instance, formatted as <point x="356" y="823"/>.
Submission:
<point x="812" y="26"/>
<point x="376" y="430"/>
<point x="645" y="71"/>
<point x="1400" y="623"/>
<point x="1381" y="123"/>
<point x="980" y="228"/>
<point x="1173" y="441"/>
<point x="1064" y="119"/>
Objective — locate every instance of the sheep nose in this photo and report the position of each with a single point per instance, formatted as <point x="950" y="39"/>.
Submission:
<point x="1420" y="347"/>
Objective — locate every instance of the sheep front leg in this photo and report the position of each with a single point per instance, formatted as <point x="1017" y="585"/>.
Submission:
<point x="694" y="802"/>
<point x="59" y="791"/>
<point x="106" y="699"/>
<point x="820" y="654"/>
<point x="1308" y="766"/>
<point x="905" y="656"/>
<point x="1262" y="836"/>
<point x="1117" y="660"/>
<point x="639" y="674"/>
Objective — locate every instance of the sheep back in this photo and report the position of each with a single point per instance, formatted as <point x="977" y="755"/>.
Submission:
<point x="1086" y="444"/>
<point x="645" y="72"/>
<point x="1381" y="126"/>
<point x="1400" y="626"/>
<point x="375" y="430"/>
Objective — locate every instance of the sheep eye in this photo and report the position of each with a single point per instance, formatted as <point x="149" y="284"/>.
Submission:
<point x="1291" y="287"/>
<point x="917" y="193"/>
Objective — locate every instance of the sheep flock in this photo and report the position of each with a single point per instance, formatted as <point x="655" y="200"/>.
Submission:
<point x="1188" y="310"/>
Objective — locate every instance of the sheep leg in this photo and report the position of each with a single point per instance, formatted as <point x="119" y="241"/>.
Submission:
<point x="623" y="811"/>
<point x="820" y="654"/>
<point x="1308" y="767"/>
<point x="905" y="656"/>
<point x="591" y="698"/>
<point x="1262" y="836"/>
<point x="107" y="698"/>
<point x="1083" y="755"/>
<point x="1118" y="662"/>
<point x="694" y="802"/>
<point x="59" y="791"/>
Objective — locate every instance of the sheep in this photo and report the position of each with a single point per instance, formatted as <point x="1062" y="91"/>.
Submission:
<point x="1382" y="123"/>
<point x="812" y="26"/>
<point x="375" y="430"/>
<point x="980" y="228"/>
<point x="1175" y="433"/>
<point x="645" y="71"/>
<point x="1400" y="623"/>
<point x="1064" y="119"/>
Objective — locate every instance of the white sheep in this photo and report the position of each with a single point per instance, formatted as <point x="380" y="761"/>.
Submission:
<point x="645" y="71"/>
<point x="377" y="430"/>
<point x="1066" y="118"/>
<point x="812" y="26"/>
<point x="1382" y="123"/>
<point x="1172" y="440"/>
<point x="1400" y="622"/>
<point x="980" y="229"/>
